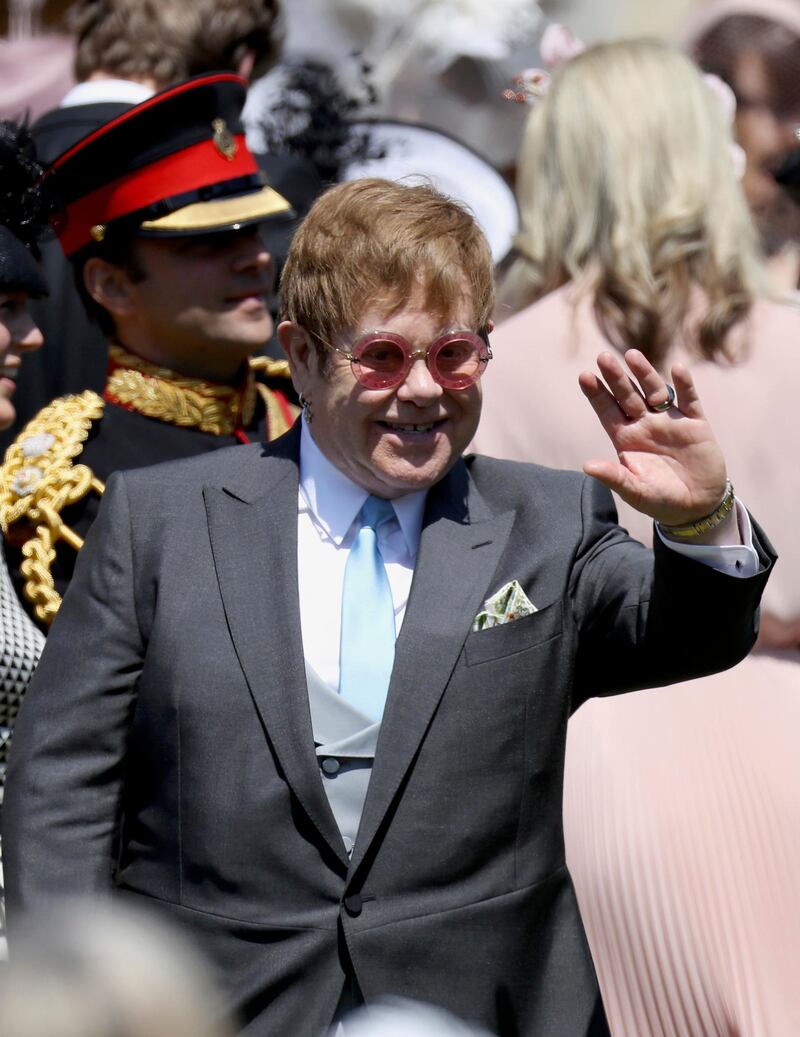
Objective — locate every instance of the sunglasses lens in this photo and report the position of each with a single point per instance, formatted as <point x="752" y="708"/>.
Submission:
<point x="456" y="363"/>
<point x="380" y="363"/>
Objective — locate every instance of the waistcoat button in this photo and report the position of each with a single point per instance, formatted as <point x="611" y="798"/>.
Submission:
<point x="353" y="904"/>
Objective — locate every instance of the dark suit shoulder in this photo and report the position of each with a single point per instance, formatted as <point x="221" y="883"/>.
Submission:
<point x="562" y="501"/>
<point x="511" y="481"/>
<point x="229" y="466"/>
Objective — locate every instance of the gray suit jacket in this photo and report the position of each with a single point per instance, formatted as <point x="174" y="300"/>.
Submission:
<point x="165" y="746"/>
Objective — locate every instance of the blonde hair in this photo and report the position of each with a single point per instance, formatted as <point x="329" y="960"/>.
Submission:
<point x="371" y="241"/>
<point x="627" y="188"/>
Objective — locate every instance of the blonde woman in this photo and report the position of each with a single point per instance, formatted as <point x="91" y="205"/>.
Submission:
<point x="682" y="804"/>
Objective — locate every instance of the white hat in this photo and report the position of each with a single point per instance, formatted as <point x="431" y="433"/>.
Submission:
<point x="415" y="153"/>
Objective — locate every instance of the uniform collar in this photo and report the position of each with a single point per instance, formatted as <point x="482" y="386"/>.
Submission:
<point x="106" y="91"/>
<point x="163" y="394"/>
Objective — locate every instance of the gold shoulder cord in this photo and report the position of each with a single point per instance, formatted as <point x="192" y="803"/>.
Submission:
<point x="277" y="422"/>
<point x="38" y="480"/>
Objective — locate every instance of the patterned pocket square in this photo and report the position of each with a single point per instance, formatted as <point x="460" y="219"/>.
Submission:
<point x="509" y="603"/>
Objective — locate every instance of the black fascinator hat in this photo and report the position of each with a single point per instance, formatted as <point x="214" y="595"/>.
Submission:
<point x="25" y="211"/>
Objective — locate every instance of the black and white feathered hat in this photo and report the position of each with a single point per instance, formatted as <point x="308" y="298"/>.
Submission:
<point x="25" y="209"/>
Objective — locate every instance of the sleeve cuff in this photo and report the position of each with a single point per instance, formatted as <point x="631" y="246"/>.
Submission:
<point x="740" y="560"/>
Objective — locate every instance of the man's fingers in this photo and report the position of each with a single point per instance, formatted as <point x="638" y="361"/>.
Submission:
<point x="605" y="406"/>
<point x="620" y="385"/>
<point x="687" y="398"/>
<point x="653" y="385"/>
<point x="615" y="476"/>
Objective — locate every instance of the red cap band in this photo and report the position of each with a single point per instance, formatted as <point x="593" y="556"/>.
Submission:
<point x="200" y="165"/>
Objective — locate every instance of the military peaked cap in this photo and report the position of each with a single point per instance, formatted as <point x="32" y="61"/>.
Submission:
<point x="174" y="165"/>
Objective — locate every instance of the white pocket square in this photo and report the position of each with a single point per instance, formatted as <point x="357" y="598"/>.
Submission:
<point x="509" y="603"/>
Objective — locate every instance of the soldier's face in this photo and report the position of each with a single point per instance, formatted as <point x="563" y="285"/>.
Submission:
<point x="202" y="306"/>
<point x="18" y="335"/>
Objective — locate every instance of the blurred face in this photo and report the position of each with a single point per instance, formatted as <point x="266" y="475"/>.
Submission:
<point x="18" y="335"/>
<point x="388" y="441"/>
<point x="766" y="131"/>
<point x="201" y="307"/>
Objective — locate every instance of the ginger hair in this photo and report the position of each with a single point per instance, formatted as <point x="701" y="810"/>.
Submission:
<point x="374" y="240"/>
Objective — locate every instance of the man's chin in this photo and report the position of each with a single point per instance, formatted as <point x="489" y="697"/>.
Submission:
<point x="403" y="477"/>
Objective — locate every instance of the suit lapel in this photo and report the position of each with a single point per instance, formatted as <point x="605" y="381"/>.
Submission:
<point x="256" y="509"/>
<point x="459" y="551"/>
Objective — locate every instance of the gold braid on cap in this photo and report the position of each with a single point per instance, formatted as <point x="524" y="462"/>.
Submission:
<point x="37" y="481"/>
<point x="157" y="392"/>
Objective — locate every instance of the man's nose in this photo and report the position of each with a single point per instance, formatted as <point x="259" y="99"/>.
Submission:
<point x="26" y="334"/>
<point x="253" y="254"/>
<point x="419" y="386"/>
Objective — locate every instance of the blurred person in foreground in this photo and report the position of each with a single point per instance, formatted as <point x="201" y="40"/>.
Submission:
<point x="682" y="805"/>
<point x="310" y="699"/>
<point x="24" y="212"/>
<point x="754" y="46"/>
<point x="399" y="1017"/>
<point x="164" y="208"/>
<point x="85" y="968"/>
<point x="126" y="50"/>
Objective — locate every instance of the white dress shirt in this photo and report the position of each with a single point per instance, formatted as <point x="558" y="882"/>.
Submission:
<point x="328" y="506"/>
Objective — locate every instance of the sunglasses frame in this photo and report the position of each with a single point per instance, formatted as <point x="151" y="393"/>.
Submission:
<point x="480" y="340"/>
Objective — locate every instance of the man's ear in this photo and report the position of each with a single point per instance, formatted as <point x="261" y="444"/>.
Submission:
<point x="246" y="65"/>
<point x="110" y="286"/>
<point x="300" y="352"/>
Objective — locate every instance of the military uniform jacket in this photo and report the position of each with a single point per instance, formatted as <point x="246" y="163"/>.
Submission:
<point x="54" y="474"/>
<point x="170" y="715"/>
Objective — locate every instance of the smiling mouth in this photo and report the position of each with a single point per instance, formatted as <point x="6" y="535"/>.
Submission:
<point x="407" y="428"/>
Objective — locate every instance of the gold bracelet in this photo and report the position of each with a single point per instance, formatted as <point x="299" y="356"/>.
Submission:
<point x="708" y="522"/>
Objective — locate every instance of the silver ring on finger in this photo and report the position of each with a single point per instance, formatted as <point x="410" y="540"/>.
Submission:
<point x="665" y="404"/>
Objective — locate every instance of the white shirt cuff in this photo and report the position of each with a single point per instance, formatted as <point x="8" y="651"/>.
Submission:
<point x="734" y="559"/>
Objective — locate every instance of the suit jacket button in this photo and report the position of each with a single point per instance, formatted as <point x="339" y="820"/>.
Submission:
<point x="331" y="766"/>
<point x="353" y="905"/>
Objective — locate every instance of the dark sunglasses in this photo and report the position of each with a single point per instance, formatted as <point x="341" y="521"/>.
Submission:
<point x="382" y="360"/>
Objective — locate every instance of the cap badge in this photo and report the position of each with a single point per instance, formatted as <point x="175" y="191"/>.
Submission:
<point x="224" y="140"/>
<point x="98" y="232"/>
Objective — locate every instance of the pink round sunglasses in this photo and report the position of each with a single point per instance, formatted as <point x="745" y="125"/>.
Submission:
<point x="382" y="360"/>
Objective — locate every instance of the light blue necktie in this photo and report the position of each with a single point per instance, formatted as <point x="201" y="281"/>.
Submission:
<point x="366" y="648"/>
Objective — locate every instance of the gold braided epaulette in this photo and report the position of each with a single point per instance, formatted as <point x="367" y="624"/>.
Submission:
<point x="266" y="365"/>
<point x="278" y="420"/>
<point x="38" y="480"/>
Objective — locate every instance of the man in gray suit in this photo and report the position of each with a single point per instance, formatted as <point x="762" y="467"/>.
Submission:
<point x="326" y="732"/>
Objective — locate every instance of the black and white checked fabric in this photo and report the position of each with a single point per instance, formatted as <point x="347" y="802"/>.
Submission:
<point x="21" y="645"/>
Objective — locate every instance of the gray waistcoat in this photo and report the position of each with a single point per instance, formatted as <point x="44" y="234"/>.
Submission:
<point x="345" y="742"/>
